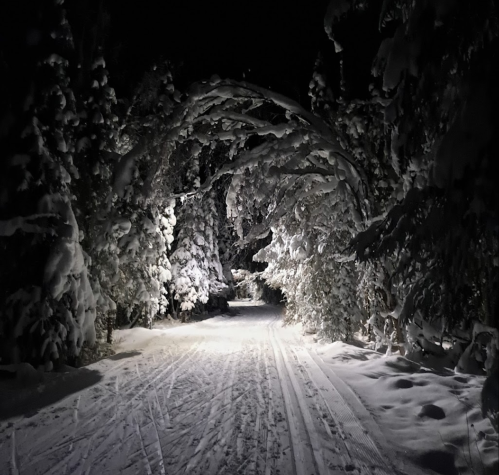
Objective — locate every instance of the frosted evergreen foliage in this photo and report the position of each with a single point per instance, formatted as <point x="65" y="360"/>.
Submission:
<point x="303" y="262"/>
<point x="53" y="313"/>
<point x="144" y="267"/>
<point x="95" y="145"/>
<point x="381" y="202"/>
<point x="196" y="268"/>
<point x="189" y="263"/>
<point x="427" y="256"/>
<point x="133" y="229"/>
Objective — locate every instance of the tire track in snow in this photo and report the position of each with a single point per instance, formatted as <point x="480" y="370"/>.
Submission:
<point x="199" y="408"/>
<point x="13" y="453"/>
<point x="154" y="435"/>
<point x="41" y="446"/>
<point x="216" y="407"/>
<point x="362" y="449"/>
<point x="47" y="436"/>
<point x="299" y="437"/>
<point x="272" y="440"/>
<point x="119" y="415"/>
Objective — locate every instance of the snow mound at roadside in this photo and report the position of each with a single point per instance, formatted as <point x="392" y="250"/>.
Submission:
<point x="434" y="416"/>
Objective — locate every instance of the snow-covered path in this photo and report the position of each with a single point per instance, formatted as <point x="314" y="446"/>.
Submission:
<point x="230" y="395"/>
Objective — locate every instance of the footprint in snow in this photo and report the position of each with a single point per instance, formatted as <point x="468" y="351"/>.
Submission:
<point x="439" y="461"/>
<point x="402" y="364"/>
<point x="403" y="384"/>
<point x="432" y="411"/>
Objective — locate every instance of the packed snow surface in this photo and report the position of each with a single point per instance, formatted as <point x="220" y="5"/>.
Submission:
<point x="242" y="394"/>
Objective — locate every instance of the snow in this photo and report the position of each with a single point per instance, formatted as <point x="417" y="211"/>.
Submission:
<point x="134" y="339"/>
<point x="398" y="393"/>
<point x="242" y="394"/>
<point x="25" y="374"/>
<point x="124" y="168"/>
<point x="195" y="264"/>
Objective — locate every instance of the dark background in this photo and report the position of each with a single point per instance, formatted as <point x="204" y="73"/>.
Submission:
<point x="270" y="43"/>
<point x="273" y="43"/>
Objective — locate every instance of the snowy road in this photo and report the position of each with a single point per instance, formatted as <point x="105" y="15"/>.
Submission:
<point x="230" y="395"/>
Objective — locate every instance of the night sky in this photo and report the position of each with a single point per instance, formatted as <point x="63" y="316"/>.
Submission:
<point x="274" y="44"/>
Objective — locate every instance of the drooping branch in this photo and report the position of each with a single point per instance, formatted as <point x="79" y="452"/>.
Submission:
<point x="124" y="168"/>
<point x="303" y="171"/>
<point x="28" y="224"/>
<point x="219" y="104"/>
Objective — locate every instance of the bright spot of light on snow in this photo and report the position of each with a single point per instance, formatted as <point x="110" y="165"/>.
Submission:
<point x="221" y="334"/>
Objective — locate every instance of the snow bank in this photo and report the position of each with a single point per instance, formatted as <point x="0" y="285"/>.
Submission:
<point x="134" y="339"/>
<point x="435" y="417"/>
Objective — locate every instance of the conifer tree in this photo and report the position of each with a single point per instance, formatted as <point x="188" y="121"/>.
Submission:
<point x="48" y="308"/>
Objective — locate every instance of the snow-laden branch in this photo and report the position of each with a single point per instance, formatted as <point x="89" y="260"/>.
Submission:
<point x="219" y="103"/>
<point x="302" y="171"/>
<point x="232" y="116"/>
<point x="230" y="89"/>
<point x="233" y="89"/>
<point x="26" y="223"/>
<point x="124" y="168"/>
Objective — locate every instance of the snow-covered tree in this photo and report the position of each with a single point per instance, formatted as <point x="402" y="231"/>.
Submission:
<point x="131" y="229"/>
<point x="196" y="268"/>
<point x="95" y="146"/>
<point x="380" y="204"/>
<point x="429" y="257"/>
<point x="48" y="307"/>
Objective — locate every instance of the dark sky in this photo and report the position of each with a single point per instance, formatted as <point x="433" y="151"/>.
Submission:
<point x="277" y="40"/>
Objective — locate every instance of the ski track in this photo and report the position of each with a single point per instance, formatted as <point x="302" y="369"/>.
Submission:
<point x="242" y="396"/>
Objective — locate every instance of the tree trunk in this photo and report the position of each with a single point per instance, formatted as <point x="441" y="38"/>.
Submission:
<point x="136" y="319"/>
<point x="172" y="305"/>
<point x="184" y="316"/>
<point x="110" y="324"/>
<point x="400" y="336"/>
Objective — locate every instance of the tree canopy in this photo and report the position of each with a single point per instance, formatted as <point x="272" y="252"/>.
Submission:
<point x="375" y="208"/>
